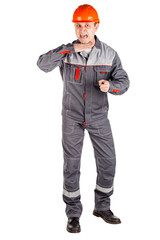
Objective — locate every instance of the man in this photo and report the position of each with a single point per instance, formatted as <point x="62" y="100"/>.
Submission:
<point x="89" y="69"/>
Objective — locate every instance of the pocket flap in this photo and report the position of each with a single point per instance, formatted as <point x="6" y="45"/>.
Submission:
<point x="102" y="69"/>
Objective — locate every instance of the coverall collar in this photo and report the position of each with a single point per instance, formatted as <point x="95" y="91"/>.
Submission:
<point x="97" y="43"/>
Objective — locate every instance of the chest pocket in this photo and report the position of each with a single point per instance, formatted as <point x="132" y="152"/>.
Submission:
<point x="73" y="74"/>
<point x="101" y="72"/>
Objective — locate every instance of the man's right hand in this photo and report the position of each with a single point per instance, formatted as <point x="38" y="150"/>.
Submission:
<point x="79" y="47"/>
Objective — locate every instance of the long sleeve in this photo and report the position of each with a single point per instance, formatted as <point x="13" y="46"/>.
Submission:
<point x="50" y="60"/>
<point x="119" y="81"/>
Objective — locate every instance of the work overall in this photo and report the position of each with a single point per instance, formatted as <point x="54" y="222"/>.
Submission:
<point x="84" y="106"/>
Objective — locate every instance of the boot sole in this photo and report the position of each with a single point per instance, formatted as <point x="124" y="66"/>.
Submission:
<point x="74" y="231"/>
<point x="98" y="215"/>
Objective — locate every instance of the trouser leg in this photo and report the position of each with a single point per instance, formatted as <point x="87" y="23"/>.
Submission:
<point x="72" y="142"/>
<point x="102" y="140"/>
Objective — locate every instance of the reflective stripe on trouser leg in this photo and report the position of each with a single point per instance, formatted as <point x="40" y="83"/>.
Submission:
<point x="72" y="141"/>
<point x="102" y="140"/>
<point x="71" y="194"/>
<point x="104" y="190"/>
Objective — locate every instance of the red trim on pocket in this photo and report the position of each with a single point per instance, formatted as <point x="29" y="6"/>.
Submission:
<point x="64" y="52"/>
<point x="102" y="72"/>
<point x="77" y="73"/>
<point x="115" y="90"/>
<point x="84" y="95"/>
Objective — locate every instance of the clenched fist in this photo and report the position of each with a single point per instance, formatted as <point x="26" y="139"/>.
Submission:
<point x="104" y="85"/>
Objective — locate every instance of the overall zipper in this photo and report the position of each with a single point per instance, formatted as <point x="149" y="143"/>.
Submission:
<point x="84" y="95"/>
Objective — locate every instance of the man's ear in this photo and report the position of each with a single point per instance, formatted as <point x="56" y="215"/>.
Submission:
<point x="97" y="26"/>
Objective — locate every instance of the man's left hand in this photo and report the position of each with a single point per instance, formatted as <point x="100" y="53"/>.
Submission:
<point x="104" y="85"/>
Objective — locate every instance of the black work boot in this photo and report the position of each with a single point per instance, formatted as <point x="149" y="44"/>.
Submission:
<point x="73" y="225"/>
<point x="107" y="216"/>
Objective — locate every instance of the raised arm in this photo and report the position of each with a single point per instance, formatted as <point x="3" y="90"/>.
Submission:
<point x="50" y="60"/>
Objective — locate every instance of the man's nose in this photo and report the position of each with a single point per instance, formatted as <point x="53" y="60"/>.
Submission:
<point x="83" y="29"/>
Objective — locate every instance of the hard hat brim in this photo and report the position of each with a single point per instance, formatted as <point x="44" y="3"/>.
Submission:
<point x="96" y="20"/>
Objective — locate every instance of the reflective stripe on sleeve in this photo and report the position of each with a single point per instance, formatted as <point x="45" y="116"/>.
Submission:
<point x="71" y="194"/>
<point x="104" y="190"/>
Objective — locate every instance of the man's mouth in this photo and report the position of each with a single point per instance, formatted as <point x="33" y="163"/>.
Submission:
<point x="84" y="36"/>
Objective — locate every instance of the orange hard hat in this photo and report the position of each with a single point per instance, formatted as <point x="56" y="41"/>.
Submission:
<point x="85" y="13"/>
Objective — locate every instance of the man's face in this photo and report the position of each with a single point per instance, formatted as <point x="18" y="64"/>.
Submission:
<point x="85" y="31"/>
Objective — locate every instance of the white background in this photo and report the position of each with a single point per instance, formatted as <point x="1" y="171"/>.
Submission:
<point x="31" y="158"/>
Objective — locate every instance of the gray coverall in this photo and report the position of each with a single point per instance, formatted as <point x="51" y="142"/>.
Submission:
<point x="84" y="106"/>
